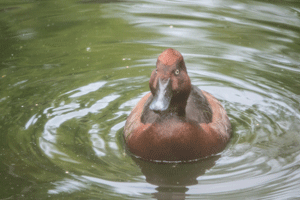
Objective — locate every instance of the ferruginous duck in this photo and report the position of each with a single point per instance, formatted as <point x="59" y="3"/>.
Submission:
<point x="176" y="121"/>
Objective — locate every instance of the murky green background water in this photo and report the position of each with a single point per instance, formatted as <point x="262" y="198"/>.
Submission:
<point x="71" y="71"/>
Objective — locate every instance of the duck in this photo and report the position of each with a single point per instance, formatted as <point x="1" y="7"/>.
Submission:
<point x="176" y="121"/>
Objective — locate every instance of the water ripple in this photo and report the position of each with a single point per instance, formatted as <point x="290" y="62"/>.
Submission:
<point x="245" y="54"/>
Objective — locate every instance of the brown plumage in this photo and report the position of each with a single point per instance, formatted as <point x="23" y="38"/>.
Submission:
<point x="176" y="121"/>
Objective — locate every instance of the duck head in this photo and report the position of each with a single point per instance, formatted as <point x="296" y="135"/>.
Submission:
<point x="170" y="84"/>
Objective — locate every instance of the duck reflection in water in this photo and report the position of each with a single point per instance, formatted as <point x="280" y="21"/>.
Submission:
<point x="172" y="178"/>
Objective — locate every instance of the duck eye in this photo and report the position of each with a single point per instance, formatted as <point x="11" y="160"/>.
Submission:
<point x="177" y="72"/>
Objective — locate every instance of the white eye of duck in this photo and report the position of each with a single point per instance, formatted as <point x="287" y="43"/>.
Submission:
<point x="177" y="72"/>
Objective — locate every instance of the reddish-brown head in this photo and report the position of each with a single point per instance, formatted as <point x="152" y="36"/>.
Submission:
<point x="170" y="83"/>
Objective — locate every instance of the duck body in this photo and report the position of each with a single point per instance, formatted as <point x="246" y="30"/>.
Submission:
<point x="176" y="121"/>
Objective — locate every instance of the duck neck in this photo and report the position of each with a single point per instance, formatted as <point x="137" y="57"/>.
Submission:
<point x="177" y="108"/>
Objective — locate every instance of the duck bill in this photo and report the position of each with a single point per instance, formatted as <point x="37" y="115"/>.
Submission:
<point x="163" y="96"/>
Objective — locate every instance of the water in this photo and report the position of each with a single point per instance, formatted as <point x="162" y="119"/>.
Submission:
<point x="71" y="71"/>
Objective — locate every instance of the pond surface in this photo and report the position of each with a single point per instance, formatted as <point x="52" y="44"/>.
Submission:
<point x="71" y="71"/>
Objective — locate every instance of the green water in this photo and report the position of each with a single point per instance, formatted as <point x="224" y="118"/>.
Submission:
<point x="71" y="71"/>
